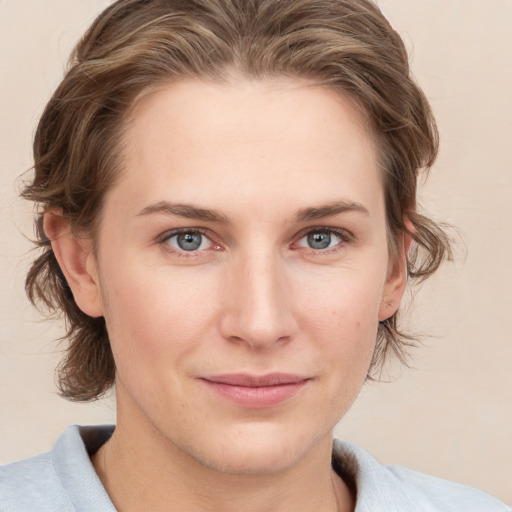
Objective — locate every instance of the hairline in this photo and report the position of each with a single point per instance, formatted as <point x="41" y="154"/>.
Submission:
<point x="230" y="75"/>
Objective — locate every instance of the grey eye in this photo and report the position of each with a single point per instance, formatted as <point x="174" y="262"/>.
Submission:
<point x="319" y="240"/>
<point x="188" y="241"/>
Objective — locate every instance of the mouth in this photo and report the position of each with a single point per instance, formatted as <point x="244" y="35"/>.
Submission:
<point x="256" y="391"/>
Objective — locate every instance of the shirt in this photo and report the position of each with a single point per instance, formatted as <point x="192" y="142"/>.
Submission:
<point x="64" y="480"/>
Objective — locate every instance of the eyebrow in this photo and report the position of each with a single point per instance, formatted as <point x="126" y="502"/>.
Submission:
<point x="306" y="214"/>
<point x="329" y="210"/>
<point x="184" y="210"/>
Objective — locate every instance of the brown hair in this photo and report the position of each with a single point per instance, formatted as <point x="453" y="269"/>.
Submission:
<point x="135" y="45"/>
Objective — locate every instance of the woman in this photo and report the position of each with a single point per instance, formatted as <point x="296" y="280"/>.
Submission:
<point x="228" y="221"/>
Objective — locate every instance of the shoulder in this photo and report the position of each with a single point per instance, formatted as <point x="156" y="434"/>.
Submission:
<point x="29" y="482"/>
<point x="398" y="489"/>
<point x="61" y="480"/>
<point x="445" y="495"/>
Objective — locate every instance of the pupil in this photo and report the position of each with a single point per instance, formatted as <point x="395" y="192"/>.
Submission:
<point x="189" y="241"/>
<point x="319" y="240"/>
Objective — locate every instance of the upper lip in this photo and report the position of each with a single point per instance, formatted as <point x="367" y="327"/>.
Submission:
<point x="254" y="381"/>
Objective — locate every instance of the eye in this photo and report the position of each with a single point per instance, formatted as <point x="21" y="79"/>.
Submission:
<point x="188" y="241"/>
<point x="321" y="239"/>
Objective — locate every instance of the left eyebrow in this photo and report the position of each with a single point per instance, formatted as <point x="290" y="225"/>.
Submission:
<point x="329" y="210"/>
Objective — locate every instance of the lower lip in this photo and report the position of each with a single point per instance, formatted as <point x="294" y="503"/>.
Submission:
<point x="257" y="397"/>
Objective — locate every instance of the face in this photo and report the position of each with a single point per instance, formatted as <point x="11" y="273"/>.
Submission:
<point x="243" y="268"/>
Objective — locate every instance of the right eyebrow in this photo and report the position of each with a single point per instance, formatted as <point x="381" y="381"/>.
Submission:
<point x="187" y="211"/>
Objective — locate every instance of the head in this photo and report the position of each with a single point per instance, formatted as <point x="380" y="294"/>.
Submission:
<point x="138" y="49"/>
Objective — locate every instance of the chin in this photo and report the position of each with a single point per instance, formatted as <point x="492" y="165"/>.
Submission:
<point x="248" y="462"/>
<point x="257" y="450"/>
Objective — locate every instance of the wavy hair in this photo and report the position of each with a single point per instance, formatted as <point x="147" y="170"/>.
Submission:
<point x="136" y="45"/>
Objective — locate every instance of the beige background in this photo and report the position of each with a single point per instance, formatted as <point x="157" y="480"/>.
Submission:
<point x="452" y="414"/>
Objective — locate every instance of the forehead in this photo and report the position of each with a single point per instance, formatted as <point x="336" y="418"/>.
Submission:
<point x="247" y="140"/>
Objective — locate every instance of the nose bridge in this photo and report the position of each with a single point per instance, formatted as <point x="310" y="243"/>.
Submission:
<point x="259" y="309"/>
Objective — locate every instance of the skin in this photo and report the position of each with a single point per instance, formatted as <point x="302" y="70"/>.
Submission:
<point x="275" y="161"/>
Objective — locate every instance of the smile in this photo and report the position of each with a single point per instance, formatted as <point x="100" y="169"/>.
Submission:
<point x="256" y="392"/>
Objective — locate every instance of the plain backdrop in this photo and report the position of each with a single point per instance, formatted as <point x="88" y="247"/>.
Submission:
<point x="450" y="415"/>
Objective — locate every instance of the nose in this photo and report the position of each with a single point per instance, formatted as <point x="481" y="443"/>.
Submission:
<point x="258" y="306"/>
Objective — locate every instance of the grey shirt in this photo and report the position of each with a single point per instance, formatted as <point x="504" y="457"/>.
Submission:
<point x="64" y="480"/>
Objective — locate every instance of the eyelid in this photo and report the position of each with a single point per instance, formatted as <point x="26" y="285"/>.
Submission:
<point x="344" y="235"/>
<point x="178" y="231"/>
<point x="163" y="239"/>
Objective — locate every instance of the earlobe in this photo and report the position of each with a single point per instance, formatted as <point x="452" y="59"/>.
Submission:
<point x="397" y="277"/>
<point x="76" y="260"/>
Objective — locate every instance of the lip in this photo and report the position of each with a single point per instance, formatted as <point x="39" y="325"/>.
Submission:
<point x="256" y="391"/>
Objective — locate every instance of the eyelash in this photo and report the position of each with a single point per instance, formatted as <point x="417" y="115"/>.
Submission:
<point x="164" y="242"/>
<point x="344" y="236"/>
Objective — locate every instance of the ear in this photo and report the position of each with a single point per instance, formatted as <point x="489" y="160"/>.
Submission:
<point x="396" y="281"/>
<point x="76" y="260"/>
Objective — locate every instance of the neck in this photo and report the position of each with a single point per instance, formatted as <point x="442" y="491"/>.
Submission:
<point x="143" y="470"/>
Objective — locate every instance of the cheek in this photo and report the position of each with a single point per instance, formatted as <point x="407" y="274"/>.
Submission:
<point x="153" y="316"/>
<point x="347" y="300"/>
<point x="342" y="317"/>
